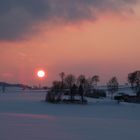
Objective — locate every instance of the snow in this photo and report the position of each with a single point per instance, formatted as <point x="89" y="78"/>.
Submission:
<point x="25" y="116"/>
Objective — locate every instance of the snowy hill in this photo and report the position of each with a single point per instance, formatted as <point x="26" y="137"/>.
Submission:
<point x="25" y="116"/>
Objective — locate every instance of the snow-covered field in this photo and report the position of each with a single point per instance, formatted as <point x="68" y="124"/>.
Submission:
<point x="25" y="116"/>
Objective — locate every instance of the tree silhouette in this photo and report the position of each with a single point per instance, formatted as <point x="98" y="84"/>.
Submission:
<point x="131" y="79"/>
<point x="56" y="86"/>
<point x="134" y="80"/>
<point x="88" y="85"/>
<point x="113" y="86"/>
<point x="95" y="80"/>
<point x="62" y="76"/>
<point x="83" y="85"/>
<point x="81" y="80"/>
<point x="81" y="92"/>
<point x="70" y="81"/>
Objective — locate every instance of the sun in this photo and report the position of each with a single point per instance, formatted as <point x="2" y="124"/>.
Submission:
<point x="41" y="73"/>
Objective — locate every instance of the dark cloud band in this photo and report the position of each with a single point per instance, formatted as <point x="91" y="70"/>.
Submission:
<point x="17" y="17"/>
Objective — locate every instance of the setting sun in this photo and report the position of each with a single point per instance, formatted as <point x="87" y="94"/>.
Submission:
<point x="41" y="73"/>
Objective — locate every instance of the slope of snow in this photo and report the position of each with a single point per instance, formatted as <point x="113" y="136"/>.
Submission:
<point x="25" y="116"/>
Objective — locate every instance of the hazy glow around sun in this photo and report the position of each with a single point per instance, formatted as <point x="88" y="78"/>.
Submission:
<point x="41" y="73"/>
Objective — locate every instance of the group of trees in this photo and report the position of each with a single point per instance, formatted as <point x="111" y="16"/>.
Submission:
<point x="133" y="79"/>
<point x="73" y="83"/>
<point x="67" y="81"/>
<point x="90" y="83"/>
<point x="112" y="86"/>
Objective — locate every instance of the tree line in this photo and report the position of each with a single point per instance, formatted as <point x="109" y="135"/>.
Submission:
<point x="82" y="85"/>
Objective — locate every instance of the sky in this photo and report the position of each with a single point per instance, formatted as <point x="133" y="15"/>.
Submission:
<point x="91" y="37"/>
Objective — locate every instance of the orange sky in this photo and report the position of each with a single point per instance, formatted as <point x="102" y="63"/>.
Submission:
<point x="108" y="47"/>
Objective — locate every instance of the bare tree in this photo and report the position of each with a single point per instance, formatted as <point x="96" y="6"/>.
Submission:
<point x="113" y="86"/>
<point x="62" y="76"/>
<point x="95" y="80"/>
<point x="56" y="86"/>
<point x="83" y="86"/>
<point x="134" y="80"/>
<point x="88" y="85"/>
<point x="70" y="81"/>
<point x="81" y="80"/>
<point x="131" y="79"/>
